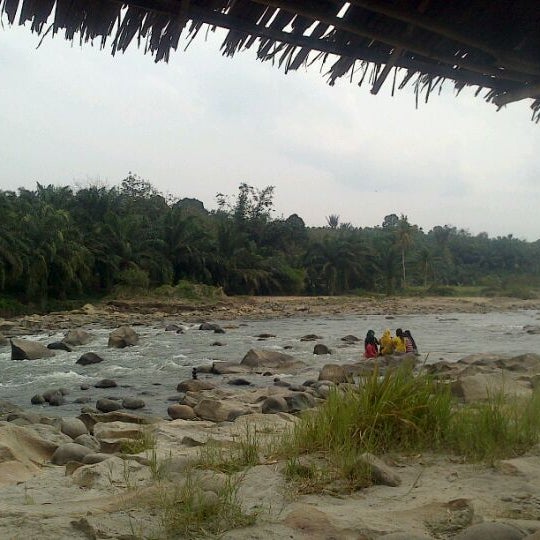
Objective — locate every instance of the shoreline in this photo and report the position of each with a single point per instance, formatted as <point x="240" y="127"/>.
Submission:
<point x="115" y="313"/>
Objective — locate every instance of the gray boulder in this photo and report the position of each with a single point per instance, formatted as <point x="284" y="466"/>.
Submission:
<point x="274" y="404"/>
<point x="213" y="327"/>
<point x="22" y="349"/>
<point x="73" y="427"/>
<point x="69" y="452"/>
<point x="379" y="472"/>
<point x="219" y="411"/>
<point x="123" y="337"/>
<point x="194" y="385"/>
<point x="299" y="401"/>
<point x="334" y="373"/>
<point x="106" y="383"/>
<point x="88" y="440"/>
<point x="108" y="405"/>
<point x="321" y="348"/>
<point x="256" y="358"/>
<point x="89" y="358"/>
<point x="310" y="337"/>
<point x="133" y="403"/>
<point x="350" y="339"/>
<point x="182" y="412"/>
<point x="77" y="337"/>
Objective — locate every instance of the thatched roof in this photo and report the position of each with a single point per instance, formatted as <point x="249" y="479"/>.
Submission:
<point x="491" y="44"/>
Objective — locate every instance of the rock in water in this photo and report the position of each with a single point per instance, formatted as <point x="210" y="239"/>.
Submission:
<point x="123" y="337"/>
<point x="89" y="358"/>
<point x="22" y="349"/>
<point x="77" y="337"/>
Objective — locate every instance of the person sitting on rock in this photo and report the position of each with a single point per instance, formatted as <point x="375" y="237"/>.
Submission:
<point x="410" y="344"/>
<point x="398" y="342"/>
<point x="371" y="345"/>
<point x="386" y="343"/>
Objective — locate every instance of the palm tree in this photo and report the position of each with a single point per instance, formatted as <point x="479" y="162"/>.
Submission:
<point x="404" y="232"/>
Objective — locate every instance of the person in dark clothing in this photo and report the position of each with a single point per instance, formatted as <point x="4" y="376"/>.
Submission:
<point x="371" y="345"/>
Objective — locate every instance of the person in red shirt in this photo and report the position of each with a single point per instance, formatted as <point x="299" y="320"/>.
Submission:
<point x="371" y="345"/>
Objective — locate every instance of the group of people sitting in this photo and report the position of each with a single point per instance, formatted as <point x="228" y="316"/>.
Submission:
<point x="401" y="343"/>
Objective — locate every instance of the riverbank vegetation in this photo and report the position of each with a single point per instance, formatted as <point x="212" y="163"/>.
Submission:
<point x="60" y="246"/>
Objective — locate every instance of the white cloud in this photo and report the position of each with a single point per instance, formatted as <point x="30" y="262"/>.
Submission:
<point x="204" y="123"/>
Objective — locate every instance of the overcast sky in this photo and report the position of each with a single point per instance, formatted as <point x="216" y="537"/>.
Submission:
<point x="203" y="124"/>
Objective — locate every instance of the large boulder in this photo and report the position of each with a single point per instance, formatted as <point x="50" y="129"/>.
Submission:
<point x="274" y="404"/>
<point x="77" y="337"/>
<point x="73" y="427"/>
<point x="219" y="411"/>
<point x="69" y="452"/>
<point x="334" y="373"/>
<point x="481" y="386"/>
<point x="321" y="348"/>
<point x="22" y="349"/>
<point x="182" y="412"/>
<point x="194" y="385"/>
<point x="89" y="358"/>
<point x="59" y="346"/>
<point x="108" y="405"/>
<point x="256" y="358"/>
<point x="123" y="337"/>
<point x="299" y="401"/>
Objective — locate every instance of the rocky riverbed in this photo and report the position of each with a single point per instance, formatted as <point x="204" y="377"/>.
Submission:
<point x="74" y="476"/>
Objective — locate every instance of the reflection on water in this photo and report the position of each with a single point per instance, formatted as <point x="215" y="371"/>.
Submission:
<point x="162" y="359"/>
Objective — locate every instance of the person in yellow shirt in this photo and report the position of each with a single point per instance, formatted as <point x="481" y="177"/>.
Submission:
<point x="398" y="342"/>
<point x="386" y="344"/>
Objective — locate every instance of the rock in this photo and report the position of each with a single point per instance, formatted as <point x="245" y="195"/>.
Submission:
<point x="106" y="383"/>
<point x="320" y="348"/>
<point x="213" y="327"/>
<point x="96" y="457"/>
<point x="22" y="349"/>
<point x="239" y="382"/>
<point x="194" y="385"/>
<point x="87" y="440"/>
<point x="334" y="373"/>
<point x="380" y="473"/>
<point x="73" y="427"/>
<point x="226" y="368"/>
<point x="265" y="336"/>
<point x="133" y="403"/>
<point x="107" y="405"/>
<point x="123" y="337"/>
<point x="274" y="404"/>
<point x="299" y="401"/>
<point x="532" y="329"/>
<point x="310" y="337"/>
<point x="218" y="411"/>
<point x="217" y="344"/>
<point x="491" y="531"/>
<point x="256" y="358"/>
<point x="90" y="419"/>
<point x="89" y="358"/>
<point x="69" y="452"/>
<point x="173" y="328"/>
<point x="77" y="337"/>
<point x="182" y="412"/>
<point x="350" y="339"/>
<point x="481" y="386"/>
<point x="37" y="399"/>
<point x="59" y="346"/>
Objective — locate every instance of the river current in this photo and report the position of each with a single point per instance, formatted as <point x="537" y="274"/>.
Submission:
<point x="152" y="369"/>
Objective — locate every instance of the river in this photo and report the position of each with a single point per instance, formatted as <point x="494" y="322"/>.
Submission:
<point x="152" y="369"/>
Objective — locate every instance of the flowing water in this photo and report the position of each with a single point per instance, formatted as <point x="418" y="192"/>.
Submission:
<point x="152" y="369"/>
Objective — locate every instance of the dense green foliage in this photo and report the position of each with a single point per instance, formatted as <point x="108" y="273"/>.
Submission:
<point x="57" y="243"/>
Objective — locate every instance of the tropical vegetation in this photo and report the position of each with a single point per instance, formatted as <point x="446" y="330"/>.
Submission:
<point x="61" y="243"/>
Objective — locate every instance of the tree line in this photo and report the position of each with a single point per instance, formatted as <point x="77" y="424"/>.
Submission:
<point x="61" y="242"/>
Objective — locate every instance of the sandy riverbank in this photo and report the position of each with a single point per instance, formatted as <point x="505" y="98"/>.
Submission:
<point x="438" y="495"/>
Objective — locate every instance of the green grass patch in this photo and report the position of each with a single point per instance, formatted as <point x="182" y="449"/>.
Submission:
<point x="231" y="458"/>
<point x="145" y="440"/>
<point x="191" y="512"/>
<point x="402" y="412"/>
